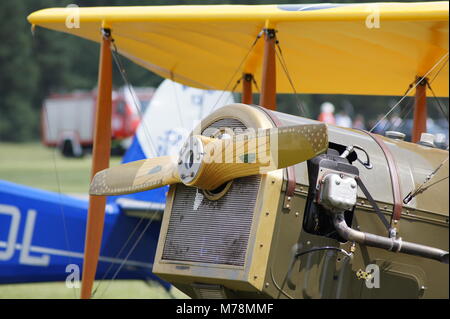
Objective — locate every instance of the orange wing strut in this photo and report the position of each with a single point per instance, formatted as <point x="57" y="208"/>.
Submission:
<point x="420" y="111"/>
<point x="268" y="97"/>
<point x="100" y="161"/>
<point x="247" y="94"/>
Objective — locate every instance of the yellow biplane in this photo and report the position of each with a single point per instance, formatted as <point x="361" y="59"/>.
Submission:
<point x="326" y="198"/>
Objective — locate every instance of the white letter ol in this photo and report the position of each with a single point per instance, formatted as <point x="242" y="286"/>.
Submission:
<point x="13" y="230"/>
<point x="25" y="257"/>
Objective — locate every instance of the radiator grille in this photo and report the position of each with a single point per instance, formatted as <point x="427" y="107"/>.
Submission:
<point x="205" y="231"/>
<point x="204" y="291"/>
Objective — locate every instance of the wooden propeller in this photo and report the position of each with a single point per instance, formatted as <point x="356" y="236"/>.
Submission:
<point x="207" y="163"/>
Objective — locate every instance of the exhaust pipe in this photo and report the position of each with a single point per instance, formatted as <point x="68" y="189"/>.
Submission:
<point x="391" y="244"/>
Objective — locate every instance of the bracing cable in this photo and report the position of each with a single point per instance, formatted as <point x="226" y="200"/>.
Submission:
<point x="239" y="67"/>
<point x="124" y="76"/>
<point x="440" y="106"/>
<point x="412" y="88"/>
<point x="58" y="183"/>
<point x="421" y="188"/>
<point x="283" y="64"/>
<point x="130" y="252"/>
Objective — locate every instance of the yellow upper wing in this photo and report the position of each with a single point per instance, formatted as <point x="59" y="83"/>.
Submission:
<point x="328" y="48"/>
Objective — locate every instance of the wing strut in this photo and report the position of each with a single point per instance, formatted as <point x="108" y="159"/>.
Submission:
<point x="247" y="94"/>
<point x="100" y="161"/>
<point x="420" y="110"/>
<point x="268" y="97"/>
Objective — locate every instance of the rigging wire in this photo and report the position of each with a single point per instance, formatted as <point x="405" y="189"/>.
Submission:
<point x="440" y="69"/>
<point x="420" y="188"/>
<point x="283" y="63"/>
<point x="256" y="84"/>
<point x="118" y="254"/>
<point x="432" y="91"/>
<point x="410" y="89"/>
<point x="237" y="69"/>
<point x="425" y="188"/>
<point x="61" y="207"/>
<point x="441" y="107"/>
<point x="124" y="76"/>
<point x="150" y="221"/>
<point x="175" y="92"/>
<point x="403" y="113"/>
<point x="239" y="81"/>
<point x="235" y="86"/>
<point x="58" y="182"/>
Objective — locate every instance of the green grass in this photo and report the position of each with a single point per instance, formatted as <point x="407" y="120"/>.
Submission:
<point x="35" y="165"/>
<point x="117" y="289"/>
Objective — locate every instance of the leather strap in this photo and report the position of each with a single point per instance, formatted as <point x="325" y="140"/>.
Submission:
<point x="374" y="204"/>
<point x="290" y="171"/>
<point x="395" y="180"/>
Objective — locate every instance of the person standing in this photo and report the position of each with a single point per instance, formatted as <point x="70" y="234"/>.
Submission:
<point x="342" y="119"/>
<point x="359" y="122"/>
<point x="326" y="113"/>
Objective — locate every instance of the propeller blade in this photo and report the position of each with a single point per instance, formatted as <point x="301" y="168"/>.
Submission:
<point x="135" y="176"/>
<point x="207" y="163"/>
<point x="221" y="160"/>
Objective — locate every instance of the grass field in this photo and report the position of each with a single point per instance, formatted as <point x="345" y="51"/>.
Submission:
<point x="34" y="165"/>
<point x="118" y="289"/>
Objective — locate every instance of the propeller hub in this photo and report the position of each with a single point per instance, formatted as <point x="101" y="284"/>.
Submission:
<point x="190" y="159"/>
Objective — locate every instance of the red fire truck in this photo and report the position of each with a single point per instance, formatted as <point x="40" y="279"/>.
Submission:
<point x="67" y="119"/>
